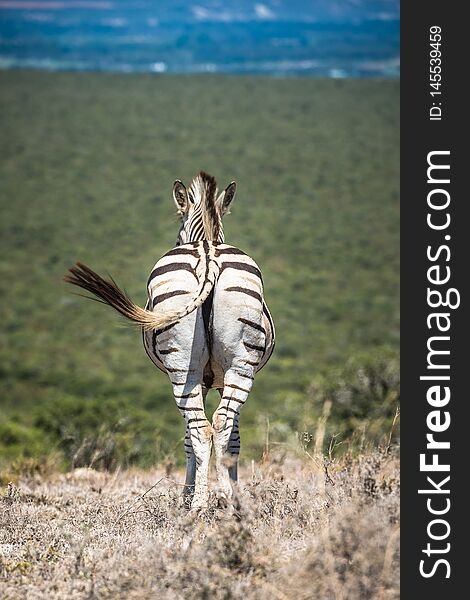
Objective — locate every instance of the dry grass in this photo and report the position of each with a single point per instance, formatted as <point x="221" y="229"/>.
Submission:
<point x="296" y="530"/>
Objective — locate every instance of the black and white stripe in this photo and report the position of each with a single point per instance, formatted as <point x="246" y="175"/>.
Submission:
<point x="182" y="263"/>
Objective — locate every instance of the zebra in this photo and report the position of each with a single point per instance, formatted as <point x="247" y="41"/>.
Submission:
<point x="205" y="324"/>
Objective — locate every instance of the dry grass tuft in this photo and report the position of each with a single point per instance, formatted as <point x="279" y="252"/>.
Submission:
<point x="295" y="530"/>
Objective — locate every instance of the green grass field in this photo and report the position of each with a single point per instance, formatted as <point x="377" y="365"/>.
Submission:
<point x="87" y="166"/>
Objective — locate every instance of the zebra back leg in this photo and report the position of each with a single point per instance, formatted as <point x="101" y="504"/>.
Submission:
<point x="234" y="451"/>
<point x="198" y="441"/>
<point x="190" y="481"/>
<point x="233" y="448"/>
<point x="237" y="386"/>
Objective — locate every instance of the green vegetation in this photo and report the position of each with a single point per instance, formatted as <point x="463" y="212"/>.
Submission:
<point x="87" y="165"/>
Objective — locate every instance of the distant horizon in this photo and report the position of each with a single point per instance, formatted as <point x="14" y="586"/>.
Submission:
<point x="276" y="38"/>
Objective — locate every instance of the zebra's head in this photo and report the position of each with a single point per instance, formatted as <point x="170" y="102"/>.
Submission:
<point x="201" y="209"/>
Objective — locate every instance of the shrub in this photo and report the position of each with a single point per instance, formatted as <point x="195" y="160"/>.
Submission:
<point x="365" y="395"/>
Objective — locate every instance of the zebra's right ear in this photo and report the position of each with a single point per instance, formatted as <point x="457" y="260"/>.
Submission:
<point x="225" y="199"/>
<point x="180" y="196"/>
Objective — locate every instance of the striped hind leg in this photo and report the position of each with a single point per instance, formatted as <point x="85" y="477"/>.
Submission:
<point x="234" y="451"/>
<point x="190" y="481"/>
<point x="237" y="386"/>
<point x="188" y="491"/>
<point x="198" y="441"/>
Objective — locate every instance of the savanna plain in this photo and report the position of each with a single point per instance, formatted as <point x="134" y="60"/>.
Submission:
<point x="91" y="443"/>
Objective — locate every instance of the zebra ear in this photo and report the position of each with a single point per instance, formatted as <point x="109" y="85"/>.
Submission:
<point x="225" y="199"/>
<point x="180" y="196"/>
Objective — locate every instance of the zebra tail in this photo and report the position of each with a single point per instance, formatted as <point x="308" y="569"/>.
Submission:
<point x="108" y="292"/>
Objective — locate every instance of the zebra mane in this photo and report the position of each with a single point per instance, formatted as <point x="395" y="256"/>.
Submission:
<point x="203" y="193"/>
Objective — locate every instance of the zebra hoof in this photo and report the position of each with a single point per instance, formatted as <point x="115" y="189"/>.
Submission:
<point x="187" y="501"/>
<point x="188" y="494"/>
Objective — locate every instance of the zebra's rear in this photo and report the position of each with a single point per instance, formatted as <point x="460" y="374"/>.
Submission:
<point x="233" y="322"/>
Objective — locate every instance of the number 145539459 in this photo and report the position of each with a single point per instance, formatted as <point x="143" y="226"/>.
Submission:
<point x="435" y="67"/>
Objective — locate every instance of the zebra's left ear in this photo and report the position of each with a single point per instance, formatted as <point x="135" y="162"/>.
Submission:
<point x="180" y="196"/>
<point x="225" y="199"/>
